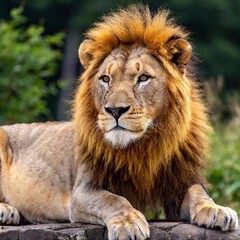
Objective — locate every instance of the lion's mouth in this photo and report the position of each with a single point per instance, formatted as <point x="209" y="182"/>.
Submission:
<point x="120" y="128"/>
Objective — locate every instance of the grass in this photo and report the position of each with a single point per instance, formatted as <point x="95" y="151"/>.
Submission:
<point x="224" y="173"/>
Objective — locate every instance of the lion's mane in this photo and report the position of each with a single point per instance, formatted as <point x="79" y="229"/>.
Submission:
<point x="161" y="165"/>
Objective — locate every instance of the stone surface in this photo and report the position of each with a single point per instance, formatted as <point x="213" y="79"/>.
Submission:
<point x="66" y="231"/>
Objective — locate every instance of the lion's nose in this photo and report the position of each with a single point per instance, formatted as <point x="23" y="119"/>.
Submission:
<point x="116" y="112"/>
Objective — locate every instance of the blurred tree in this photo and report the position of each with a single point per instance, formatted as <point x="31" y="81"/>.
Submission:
<point x="27" y="58"/>
<point x="71" y="16"/>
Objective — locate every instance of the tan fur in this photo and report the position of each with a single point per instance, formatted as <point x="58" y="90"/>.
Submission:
<point x="137" y="139"/>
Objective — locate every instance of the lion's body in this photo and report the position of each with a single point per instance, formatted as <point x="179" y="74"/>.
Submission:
<point x="137" y="139"/>
<point x="40" y="172"/>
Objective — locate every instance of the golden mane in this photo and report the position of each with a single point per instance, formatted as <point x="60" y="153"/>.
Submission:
<point x="133" y="25"/>
<point x="177" y="145"/>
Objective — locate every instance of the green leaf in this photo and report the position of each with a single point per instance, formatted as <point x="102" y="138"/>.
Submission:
<point x="28" y="59"/>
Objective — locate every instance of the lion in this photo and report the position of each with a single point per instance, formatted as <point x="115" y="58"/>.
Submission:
<point x="137" y="139"/>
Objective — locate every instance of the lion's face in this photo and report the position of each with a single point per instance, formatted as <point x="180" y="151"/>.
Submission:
<point x="129" y="94"/>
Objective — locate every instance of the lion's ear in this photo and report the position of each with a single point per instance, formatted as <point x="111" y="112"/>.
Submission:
<point x="84" y="53"/>
<point x="180" y="52"/>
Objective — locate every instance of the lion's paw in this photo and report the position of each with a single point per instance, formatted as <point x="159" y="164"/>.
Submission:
<point x="8" y="214"/>
<point x="128" y="225"/>
<point x="213" y="215"/>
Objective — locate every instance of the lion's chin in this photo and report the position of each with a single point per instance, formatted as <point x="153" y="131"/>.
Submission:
<point x="121" y="138"/>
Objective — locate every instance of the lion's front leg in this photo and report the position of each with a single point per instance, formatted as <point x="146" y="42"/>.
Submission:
<point x="102" y="207"/>
<point x="200" y="209"/>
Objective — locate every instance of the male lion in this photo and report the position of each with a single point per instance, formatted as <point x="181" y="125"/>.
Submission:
<point x="137" y="138"/>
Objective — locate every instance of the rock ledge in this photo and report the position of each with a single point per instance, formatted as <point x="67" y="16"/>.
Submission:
<point x="66" y="231"/>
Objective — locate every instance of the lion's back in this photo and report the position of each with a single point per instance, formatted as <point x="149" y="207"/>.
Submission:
<point x="42" y="147"/>
<point x="53" y="135"/>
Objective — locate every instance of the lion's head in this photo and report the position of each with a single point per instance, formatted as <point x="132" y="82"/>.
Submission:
<point x="137" y="106"/>
<point x="130" y="78"/>
<point x="129" y="94"/>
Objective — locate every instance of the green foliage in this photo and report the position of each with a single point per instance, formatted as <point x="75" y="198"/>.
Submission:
<point x="224" y="174"/>
<point x="27" y="59"/>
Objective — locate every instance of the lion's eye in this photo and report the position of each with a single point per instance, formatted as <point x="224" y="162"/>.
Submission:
<point x="143" y="78"/>
<point x="105" y="78"/>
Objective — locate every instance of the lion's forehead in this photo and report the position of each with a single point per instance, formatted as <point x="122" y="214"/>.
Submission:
<point x="124" y="61"/>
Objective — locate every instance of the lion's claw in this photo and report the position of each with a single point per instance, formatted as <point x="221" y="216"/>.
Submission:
<point x="8" y="214"/>
<point x="129" y="225"/>
<point x="213" y="215"/>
